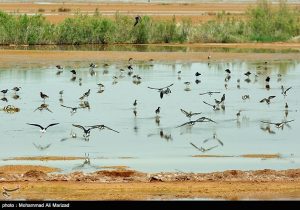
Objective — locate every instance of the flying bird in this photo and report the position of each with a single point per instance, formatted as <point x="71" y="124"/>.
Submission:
<point x="284" y="91"/>
<point x="190" y="113"/>
<point x="101" y="127"/>
<point x="43" y="129"/>
<point x="267" y="100"/>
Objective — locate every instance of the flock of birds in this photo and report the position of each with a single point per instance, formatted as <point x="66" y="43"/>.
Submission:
<point x="219" y="104"/>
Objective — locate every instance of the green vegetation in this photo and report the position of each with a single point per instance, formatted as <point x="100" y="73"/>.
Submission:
<point x="263" y="23"/>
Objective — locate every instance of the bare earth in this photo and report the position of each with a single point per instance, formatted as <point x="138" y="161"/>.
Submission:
<point x="125" y="184"/>
<point x="48" y="57"/>
<point x="197" y="12"/>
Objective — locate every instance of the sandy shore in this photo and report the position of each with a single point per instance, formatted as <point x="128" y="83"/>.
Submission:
<point x="124" y="184"/>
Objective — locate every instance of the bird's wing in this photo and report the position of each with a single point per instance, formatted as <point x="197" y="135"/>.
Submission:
<point x="220" y="142"/>
<point x="287" y="89"/>
<point x="211" y="148"/>
<point x="154" y="88"/>
<point x="263" y="100"/>
<point x="36" y="125"/>
<point x="195" y="146"/>
<point x="196" y="113"/>
<point x="66" y="106"/>
<point x="52" y="124"/>
<point x="184" y="112"/>
<point x="79" y="126"/>
<point x="207" y="103"/>
<point x="203" y="93"/>
<point x="288" y="121"/>
<point x="184" y="124"/>
<point x="48" y="109"/>
<point x="111" y="129"/>
<point x="270" y="97"/>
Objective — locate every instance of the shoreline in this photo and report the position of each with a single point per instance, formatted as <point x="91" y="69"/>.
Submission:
<point x="124" y="184"/>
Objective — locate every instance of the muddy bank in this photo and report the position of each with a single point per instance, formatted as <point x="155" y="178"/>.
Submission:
<point x="37" y="57"/>
<point x="122" y="184"/>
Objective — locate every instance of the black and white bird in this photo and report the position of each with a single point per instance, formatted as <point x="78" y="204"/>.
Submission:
<point x="157" y="111"/>
<point x="284" y="91"/>
<point x="163" y="91"/>
<point x="248" y="73"/>
<point x="87" y="131"/>
<point x="228" y="71"/>
<point x="267" y="100"/>
<point x="43" y="129"/>
<point x="4" y="91"/>
<point x="43" y="96"/>
<point x="40" y="147"/>
<point x="137" y="20"/>
<point x="279" y="124"/>
<point x="16" y="89"/>
<point x="101" y="127"/>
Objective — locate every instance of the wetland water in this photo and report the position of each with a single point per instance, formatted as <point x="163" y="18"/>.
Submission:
<point x="145" y="142"/>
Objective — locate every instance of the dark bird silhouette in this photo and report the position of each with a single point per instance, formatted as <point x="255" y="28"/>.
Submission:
<point x="157" y="111"/>
<point x="267" y="100"/>
<point x="247" y="73"/>
<point x="268" y="79"/>
<point x="137" y="20"/>
<point x="203" y="149"/>
<point x="135" y="103"/>
<point x="16" y="89"/>
<point x="43" y="96"/>
<point x="43" y="129"/>
<point x="4" y="91"/>
<point x="227" y="71"/>
<point x="197" y="74"/>
<point x="284" y="91"/>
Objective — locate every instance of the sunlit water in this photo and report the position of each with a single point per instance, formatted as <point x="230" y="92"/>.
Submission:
<point x="139" y="144"/>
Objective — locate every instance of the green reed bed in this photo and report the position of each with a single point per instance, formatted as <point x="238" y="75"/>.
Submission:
<point x="262" y="23"/>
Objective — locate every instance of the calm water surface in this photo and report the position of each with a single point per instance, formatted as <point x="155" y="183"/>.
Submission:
<point x="140" y="144"/>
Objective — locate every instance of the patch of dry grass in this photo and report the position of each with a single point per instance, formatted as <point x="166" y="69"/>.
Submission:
<point x="20" y="169"/>
<point x="45" y="158"/>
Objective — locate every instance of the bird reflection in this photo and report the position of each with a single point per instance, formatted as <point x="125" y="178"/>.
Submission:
<point x="214" y="138"/>
<point x="157" y="120"/>
<point x="42" y="107"/>
<point x="162" y="135"/>
<point x="201" y="149"/>
<point x="86" y="162"/>
<point x="16" y="97"/>
<point x="248" y="80"/>
<point x="73" y="135"/>
<point x="267" y="129"/>
<point x="4" y="99"/>
<point x="40" y="147"/>
<point x="197" y="81"/>
<point x="85" y="104"/>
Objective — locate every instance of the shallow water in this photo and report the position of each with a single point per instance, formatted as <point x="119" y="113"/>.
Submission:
<point x="139" y="144"/>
